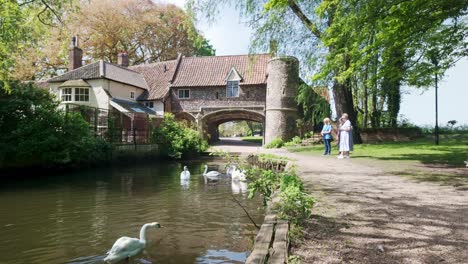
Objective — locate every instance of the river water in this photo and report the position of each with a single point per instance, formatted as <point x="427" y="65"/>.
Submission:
<point x="76" y="217"/>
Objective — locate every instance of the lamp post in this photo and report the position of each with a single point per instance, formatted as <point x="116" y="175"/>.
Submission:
<point x="435" y="61"/>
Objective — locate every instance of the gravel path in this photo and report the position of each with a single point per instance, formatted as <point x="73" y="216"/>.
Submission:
<point x="367" y="215"/>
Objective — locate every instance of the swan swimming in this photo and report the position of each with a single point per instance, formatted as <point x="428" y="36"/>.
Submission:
<point x="185" y="174"/>
<point x="126" y="247"/>
<point x="212" y="175"/>
<point x="238" y="175"/>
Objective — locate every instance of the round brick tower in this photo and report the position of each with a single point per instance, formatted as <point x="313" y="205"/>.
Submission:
<point x="281" y="108"/>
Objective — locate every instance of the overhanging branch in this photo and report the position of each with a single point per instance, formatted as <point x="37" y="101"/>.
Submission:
<point x="304" y="19"/>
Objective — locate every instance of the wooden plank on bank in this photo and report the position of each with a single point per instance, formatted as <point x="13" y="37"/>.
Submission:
<point x="262" y="243"/>
<point x="280" y="244"/>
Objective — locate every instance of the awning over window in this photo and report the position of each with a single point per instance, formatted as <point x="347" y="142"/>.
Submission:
<point x="75" y="83"/>
<point x="128" y="107"/>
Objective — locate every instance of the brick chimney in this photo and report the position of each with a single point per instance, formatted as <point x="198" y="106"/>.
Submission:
<point x="122" y="59"/>
<point x="76" y="55"/>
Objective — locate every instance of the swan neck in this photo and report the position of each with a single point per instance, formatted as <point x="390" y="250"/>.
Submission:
<point x="206" y="169"/>
<point x="143" y="233"/>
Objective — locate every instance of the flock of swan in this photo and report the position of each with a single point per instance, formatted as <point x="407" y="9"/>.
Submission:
<point x="126" y="247"/>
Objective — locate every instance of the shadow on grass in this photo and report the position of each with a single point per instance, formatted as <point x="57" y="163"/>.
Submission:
<point x="459" y="181"/>
<point x="453" y="157"/>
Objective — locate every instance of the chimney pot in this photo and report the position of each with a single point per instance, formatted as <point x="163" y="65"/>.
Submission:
<point x="122" y="59"/>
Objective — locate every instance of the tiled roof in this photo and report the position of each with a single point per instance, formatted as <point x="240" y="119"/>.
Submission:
<point x="157" y="76"/>
<point x="102" y="69"/>
<point x="212" y="71"/>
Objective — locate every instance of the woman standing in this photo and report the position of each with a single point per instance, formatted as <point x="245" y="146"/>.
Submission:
<point x="326" y="136"/>
<point x="345" y="138"/>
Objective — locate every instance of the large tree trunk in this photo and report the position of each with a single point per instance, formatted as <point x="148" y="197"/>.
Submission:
<point x="343" y="98"/>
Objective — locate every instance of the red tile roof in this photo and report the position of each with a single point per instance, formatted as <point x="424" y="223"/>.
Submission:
<point x="158" y="76"/>
<point x="212" y="71"/>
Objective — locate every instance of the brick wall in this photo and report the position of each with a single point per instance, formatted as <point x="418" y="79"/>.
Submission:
<point x="215" y="97"/>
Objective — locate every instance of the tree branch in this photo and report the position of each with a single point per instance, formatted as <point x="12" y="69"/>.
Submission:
<point x="247" y="213"/>
<point x="305" y="20"/>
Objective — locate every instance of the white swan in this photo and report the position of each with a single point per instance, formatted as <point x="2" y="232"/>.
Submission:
<point x="126" y="247"/>
<point x="212" y="175"/>
<point x="185" y="174"/>
<point x="230" y="169"/>
<point x="238" y="175"/>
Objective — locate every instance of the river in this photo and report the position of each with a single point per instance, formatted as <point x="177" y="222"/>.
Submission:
<point x="76" y="217"/>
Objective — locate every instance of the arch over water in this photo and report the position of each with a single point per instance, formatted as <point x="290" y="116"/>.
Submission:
<point x="211" y="121"/>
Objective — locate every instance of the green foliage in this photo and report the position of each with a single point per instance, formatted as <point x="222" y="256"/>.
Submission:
<point x="294" y="141"/>
<point x="253" y="139"/>
<point x="269" y="158"/>
<point x="34" y="133"/>
<point x="275" y="143"/>
<point x="264" y="182"/>
<point x="294" y="205"/>
<point x="21" y="25"/>
<point x="177" y="139"/>
<point x="313" y="107"/>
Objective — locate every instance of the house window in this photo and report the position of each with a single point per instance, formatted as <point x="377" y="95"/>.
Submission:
<point x="184" y="93"/>
<point x="232" y="89"/>
<point x="81" y="94"/>
<point x="149" y="104"/>
<point x="132" y="95"/>
<point x="66" y="94"/>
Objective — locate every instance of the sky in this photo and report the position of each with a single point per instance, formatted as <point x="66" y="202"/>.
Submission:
<point x="229" y="36"/>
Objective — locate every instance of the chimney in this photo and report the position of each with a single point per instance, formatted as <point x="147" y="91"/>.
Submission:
<point x="122" y="59"/>
<point x="76" y="55"/>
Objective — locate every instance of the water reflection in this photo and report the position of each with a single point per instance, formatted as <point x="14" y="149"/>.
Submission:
<point x="239" y="187"/>
<point x="75" y="218"/>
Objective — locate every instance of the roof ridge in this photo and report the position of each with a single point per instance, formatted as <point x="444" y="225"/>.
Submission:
<point x="151" y="64"/>
<point x="70" y="72"/>
<point x="238" y="55"/>
<point x="121" y="67"/>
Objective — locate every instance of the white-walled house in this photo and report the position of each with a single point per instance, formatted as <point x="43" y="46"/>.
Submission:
<point x="104" y="85"/>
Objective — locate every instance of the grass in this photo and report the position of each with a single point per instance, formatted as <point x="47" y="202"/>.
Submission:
<point x="443" y="164"/>
<point x="253" y="139"/>
<point x="452" y="151"/>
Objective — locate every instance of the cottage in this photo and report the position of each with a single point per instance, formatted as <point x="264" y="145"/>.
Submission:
<point x="206" y="91"/>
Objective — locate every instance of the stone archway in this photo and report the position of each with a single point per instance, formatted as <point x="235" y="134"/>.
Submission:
<point x="186" y="117"/>
<point x="210" y="122"/>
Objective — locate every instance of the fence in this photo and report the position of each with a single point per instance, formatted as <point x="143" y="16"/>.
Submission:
<point x="114" y="126"/>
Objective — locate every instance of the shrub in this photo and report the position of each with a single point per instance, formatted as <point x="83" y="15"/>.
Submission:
<point x="35" y="133"/>
<point x="294" y="204"/>
<point x="294" y="141"/>
<point x="275" y="143"/>
<point x="177" y="139"/>
<point x="264" y="182"/>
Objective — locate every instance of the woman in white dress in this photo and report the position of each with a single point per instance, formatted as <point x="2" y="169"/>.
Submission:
<point x="345" y="139"/>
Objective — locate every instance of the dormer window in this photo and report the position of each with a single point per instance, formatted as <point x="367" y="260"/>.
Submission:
<point x="232" y="89"/>
<point x="232" y="83"/>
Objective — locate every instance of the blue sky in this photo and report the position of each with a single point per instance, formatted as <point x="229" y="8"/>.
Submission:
<point x="229" y="36"/>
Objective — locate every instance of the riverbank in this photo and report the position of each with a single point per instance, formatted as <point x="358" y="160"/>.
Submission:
<point x="367" y="213"/>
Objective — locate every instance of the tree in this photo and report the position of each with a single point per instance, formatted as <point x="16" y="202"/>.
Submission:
<point x="35" y="133"/>
<point x="148" y="31"/>
<point x="22" y="25"/>
<point x="365" y="49"/>
<point x="41" y="32"/>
